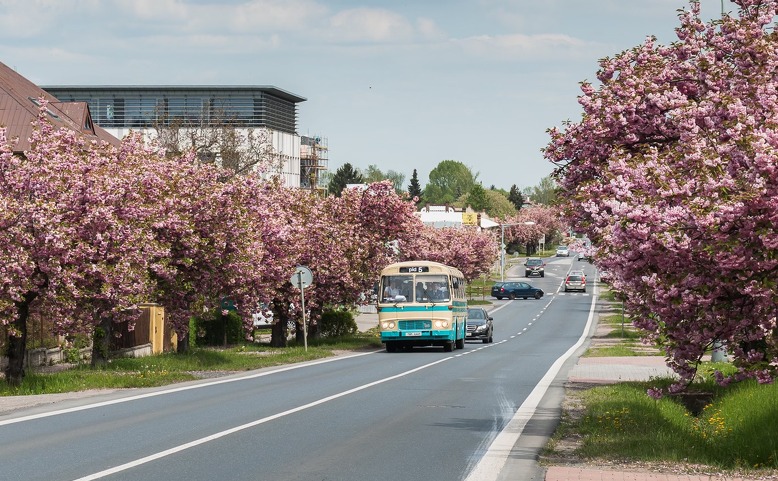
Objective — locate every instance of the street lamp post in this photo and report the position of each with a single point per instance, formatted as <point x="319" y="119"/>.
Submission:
<point x="502" y="244"/>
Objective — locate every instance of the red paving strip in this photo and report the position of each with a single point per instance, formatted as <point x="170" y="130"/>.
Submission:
<point x="564" y="473"/>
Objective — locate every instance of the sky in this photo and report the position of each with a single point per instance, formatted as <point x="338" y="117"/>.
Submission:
<point x="401" y="85"/>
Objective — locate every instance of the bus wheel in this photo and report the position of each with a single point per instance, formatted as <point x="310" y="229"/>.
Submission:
<point x="448" y="346"/>
<point x="460" y="343"/>
<point x="391" y="347"/>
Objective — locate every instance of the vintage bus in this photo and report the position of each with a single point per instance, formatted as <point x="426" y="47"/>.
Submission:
<point x="422" y="303"/>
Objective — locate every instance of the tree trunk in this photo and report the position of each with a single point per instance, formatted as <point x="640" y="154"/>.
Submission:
<point x="182" y="347"/>
<point x="313" y="326"/>
<point x="299" y="334"/>
<point x="279" y="333"/>
<point x="313" y="330"/>
<point x="17" y="341"/>
<point x="101" y="342"/>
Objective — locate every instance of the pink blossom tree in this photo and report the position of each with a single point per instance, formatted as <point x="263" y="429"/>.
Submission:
<point x="75" y="235"/>
<point x="471" y="251"/>
<point x="226" y="240"/>
<point x="671" y="172"/>
<point x="344" y="241"/>
<point x="531" y="223"/>
<point x="350" y="240"/>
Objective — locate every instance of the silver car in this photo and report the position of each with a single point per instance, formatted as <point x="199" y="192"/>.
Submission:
<point x="575" y="281"/>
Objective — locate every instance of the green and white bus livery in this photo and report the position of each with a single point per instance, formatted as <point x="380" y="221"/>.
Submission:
<point x="422" y="303"/>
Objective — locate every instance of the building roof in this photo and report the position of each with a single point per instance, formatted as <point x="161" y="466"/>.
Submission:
<point x="20" y="105"/>
<point x="269" y="89"/>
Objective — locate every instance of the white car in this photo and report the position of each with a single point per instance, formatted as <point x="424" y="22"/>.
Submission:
<point x="263" y="318"/>
<point x="562" y="251"/>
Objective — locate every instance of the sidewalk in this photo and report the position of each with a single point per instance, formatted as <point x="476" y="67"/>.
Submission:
<point x="366" y="320"/>
<point x="564" y="473"/>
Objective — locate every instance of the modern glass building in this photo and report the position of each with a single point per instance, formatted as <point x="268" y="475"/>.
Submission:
<point x="121" y="108"/>
<point x="147" y="106"/>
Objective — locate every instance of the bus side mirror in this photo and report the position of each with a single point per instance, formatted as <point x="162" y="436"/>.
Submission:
<point x="455" y="283"/>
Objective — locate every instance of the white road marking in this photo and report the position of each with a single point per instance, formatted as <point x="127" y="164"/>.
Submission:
<point x="227" y="432"/>
<point x="492" y="462"/>
<point x="177" y="389"/>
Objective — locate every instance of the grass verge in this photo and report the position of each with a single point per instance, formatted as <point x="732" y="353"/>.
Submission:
<point x="163" y="369"/>
<point x="725" y="428"/>
<point x="708" y="427"/>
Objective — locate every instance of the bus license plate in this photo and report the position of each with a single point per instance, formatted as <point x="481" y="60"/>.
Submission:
<point x="412" y="334"/>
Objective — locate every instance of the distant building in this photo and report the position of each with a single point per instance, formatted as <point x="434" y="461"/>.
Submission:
<point x="440" y="216"/>
<point x="122" y="108"/>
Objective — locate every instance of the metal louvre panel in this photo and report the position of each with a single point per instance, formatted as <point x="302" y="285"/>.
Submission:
<point x="414" y="325"/>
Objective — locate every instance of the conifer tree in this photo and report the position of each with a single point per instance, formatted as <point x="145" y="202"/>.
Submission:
<point x="414" y="189"/>
<point x="345" y="175"/>
<point x="515" y="197"/>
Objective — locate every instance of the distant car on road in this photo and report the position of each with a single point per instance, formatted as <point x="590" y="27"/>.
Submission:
<point x="479" y="325"/>
<point x="582" y="256"/>
<point x="515" y="290"/>
<point x="534" y="266"/>
<point x="562" y="251"/>
<point x="575" y="281"/>
<point x="577" y="273"/>
<point x="605" y="276"/>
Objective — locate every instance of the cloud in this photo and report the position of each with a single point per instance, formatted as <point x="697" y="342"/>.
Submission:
<point x="31" y="18"/>
<point x="522" y="46"/>
<point x="370" y="25"/>
<point x="156" y="9"/>
<point x="248" y="16"/>
<point x="428" y="29"/>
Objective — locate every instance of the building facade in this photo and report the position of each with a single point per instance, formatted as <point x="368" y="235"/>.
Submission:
<point x="147" y="109"/>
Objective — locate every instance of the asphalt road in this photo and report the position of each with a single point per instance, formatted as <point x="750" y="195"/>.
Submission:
<point x="479" y="414"/>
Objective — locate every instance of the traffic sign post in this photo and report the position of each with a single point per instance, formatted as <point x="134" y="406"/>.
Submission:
<point x="302" y="278"/>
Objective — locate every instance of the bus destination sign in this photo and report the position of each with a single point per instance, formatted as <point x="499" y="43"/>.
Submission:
<point x="412" y="269"/>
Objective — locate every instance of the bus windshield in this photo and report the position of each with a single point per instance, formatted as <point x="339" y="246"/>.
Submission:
<point x="419" y="288"/>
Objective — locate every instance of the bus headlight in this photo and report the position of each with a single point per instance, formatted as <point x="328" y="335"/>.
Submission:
<point x="387" y="325"/>
<point x="441" y="324"/>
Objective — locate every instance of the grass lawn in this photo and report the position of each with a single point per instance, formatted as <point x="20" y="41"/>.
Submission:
<point x="168" y="368"/>
<point x="724" y="428"/>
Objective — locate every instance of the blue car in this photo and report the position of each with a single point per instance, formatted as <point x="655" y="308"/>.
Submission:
<point x="515" y="290"/>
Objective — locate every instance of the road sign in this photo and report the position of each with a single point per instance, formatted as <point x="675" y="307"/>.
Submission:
<point x="302" y="275"/>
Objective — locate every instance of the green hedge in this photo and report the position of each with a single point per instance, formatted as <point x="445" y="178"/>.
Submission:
<point x="208" y="329"/>
<point x="337" y="322"/>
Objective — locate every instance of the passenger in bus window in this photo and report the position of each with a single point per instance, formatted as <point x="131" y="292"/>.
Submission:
<point x="421" y="294"/>
<point x="443" y="292"/>
<point x="437" y="291"/>
<point x="391" y="292"/>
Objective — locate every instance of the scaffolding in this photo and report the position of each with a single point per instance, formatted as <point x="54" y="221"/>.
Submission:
<point x="313" y="163"/>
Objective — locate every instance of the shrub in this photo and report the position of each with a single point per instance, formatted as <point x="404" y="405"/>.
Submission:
<point x="337" y="322"/>
<point x="209" y="329"/>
